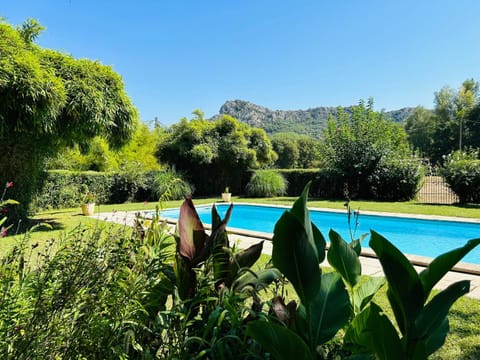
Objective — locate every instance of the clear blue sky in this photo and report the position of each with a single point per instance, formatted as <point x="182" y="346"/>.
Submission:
<point x="175" y="56"/>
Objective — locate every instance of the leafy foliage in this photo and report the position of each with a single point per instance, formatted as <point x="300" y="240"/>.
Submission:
<point x="452" y="125"/>
<point x="224" y="147"/>
<point x="49" y="99"/>
<point x="356" y="144"/>
<point x="462" y="173"/>
<point x="295" y="151"/>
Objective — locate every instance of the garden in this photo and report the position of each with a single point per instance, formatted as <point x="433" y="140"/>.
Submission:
<point x="77" y="288"/>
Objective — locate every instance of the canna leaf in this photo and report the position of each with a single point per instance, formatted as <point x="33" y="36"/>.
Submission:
<point x="443" y="264"/>
<point x="372" y="332"/>
<point x="365" y="291"/>
<point x="434" y="314"/>
<point x="344" y="259"/>
<point x="320" y="243"/>
<point x="294" y="255"/>
<point x="281" y="342"/>
<point x="248" y="257"/>
<point x="244" y="259"/>
<point x="405" y="290"/>
<point x="192" y="236"/>
<point x="300" y="211"/>
<point x="329" y="311"/>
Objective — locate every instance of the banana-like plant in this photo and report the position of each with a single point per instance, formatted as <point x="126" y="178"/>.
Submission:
<point x="195" y="247"/>
<point x="324" y="308"/>
<point x="423" y="325"/>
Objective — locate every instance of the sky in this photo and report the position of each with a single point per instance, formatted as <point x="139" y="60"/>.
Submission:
<point x="179" y="55"/>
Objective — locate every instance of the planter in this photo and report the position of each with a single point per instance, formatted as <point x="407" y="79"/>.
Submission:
<point x="227" y="197"/>
<point x="88" y="209"/>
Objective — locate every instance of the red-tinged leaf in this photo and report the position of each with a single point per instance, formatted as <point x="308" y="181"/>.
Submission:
<point x="191" y="231"/>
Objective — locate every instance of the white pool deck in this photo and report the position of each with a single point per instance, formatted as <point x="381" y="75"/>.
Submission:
<point x="370" y="264"/>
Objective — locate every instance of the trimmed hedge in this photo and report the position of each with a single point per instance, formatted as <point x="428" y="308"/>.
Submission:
<point x="326" y="183"/>
<point x="463" y="177"/>
<point x="64" y="188"/>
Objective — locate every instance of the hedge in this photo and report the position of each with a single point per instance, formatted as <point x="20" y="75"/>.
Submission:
<point x="64" y="188"/>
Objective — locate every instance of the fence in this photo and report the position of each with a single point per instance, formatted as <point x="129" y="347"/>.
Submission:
<point x="436" y="191"/>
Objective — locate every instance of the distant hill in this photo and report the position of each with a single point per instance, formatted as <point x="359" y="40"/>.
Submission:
<point x="310" y="121"/>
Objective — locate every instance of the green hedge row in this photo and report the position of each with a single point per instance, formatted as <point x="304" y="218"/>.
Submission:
<point x="394" y="181"/>
<point x="64" y="188"/>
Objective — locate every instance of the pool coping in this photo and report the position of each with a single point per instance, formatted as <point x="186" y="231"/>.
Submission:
<point x="424" y="261"/>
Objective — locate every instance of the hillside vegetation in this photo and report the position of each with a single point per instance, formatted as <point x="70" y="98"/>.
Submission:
<point x="310" y="121"/>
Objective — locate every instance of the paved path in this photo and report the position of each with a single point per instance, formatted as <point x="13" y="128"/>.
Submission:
<point x="370" y="265"/>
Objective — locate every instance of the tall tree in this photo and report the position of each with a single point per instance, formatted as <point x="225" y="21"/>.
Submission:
<point x="215" y="154"/>
<point x="49" y="100"/>
<point x="356" y="143"/>
<point x="451" y="126"/>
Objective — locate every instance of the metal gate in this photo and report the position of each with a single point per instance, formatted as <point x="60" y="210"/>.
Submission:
<point x="436" y="191"/>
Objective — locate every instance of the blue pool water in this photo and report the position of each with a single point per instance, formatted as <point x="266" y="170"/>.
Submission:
<point x="412" y="236"/>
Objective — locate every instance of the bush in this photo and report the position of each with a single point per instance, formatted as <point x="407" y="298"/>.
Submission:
<point x="171" y="185"/>
<point x="395" y="180"/>
<point x="266" y="183"/>
<point x="89" y="295"/>
<point x="462" y="174"/>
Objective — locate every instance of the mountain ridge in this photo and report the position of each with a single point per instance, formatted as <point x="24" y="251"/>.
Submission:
<point x="311" y="121"/>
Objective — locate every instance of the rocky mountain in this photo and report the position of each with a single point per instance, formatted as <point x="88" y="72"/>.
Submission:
<point x="310" y="121"/>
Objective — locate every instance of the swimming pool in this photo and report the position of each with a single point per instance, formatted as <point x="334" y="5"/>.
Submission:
<point x="428" y="238"/>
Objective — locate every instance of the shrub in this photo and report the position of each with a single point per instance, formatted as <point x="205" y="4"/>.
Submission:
<point x="395" y="180"/>
<point x="89" y="295"/>
<point x="266" y="183"/>
<point x="462" y="174"/>
<point x="171" y="185"/>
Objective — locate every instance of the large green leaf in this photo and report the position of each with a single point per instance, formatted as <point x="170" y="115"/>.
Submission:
<point x="344" y="259"/>
<point x="281" y="342"/>
<point x="294" y="255"/>
<point x="329" y="311"/>
<point x="435" y="312"/>
<point x="372" y="332"/>
<point x="364" y="292"/>
<point x="301" y="212"/>
<point x="405" y="290"/>
<point x="443" y="264"/>
<point x="320" y="243"/>
<point x="192" y="236"/>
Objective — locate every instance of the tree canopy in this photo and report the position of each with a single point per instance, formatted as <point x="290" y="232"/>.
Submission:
<point x="49" y="100"/>
<point x="295" y="150"/>
<point x="215" y="154"/>
<point x="454" y="124"/>
<point x="356" y="144"/>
